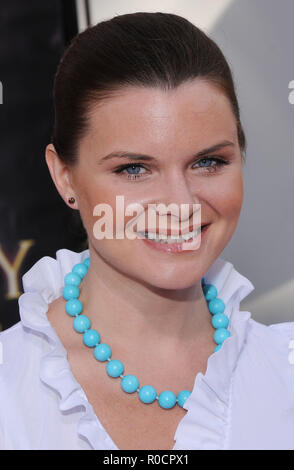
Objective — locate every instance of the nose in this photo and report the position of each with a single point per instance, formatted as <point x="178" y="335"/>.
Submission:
<point x="178" y="199"/>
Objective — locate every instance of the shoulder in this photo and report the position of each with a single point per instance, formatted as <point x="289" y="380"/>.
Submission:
<point x="276" y="337"/>
<point x="18" y="351"/>
<point x="16" y="364"/>
<point x="9" y="338"/>
<point x="268" y="354"/>
<point x="21" y="391"/>
<point x="261" y="407"/>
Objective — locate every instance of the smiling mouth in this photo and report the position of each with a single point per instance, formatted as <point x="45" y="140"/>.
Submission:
<point x="169" y="239"/>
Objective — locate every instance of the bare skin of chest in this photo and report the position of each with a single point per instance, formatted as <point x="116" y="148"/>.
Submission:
<point x="130" y="423"/>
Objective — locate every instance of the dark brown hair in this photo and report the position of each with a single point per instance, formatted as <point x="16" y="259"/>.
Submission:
<point x="139" y="49"/>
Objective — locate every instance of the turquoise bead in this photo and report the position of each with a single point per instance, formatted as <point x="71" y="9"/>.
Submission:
<point x="220" y="335"/>
<point x="74" y="307"/>
<point x="220" y="320"/>
<point x="129" y="383"/>
<point x="210" y="292"/>
<point x="216" y="306"/>
<point x="81" y="323"/>
<point x="80" y="269"/>
<point x="72" y="279"/>
<point x="102" y="352"/>
<point x="182" y="397"/>
<point x="70" y="292"/>
<point x="167" y="399"/>
<point x="114" y="368"/>
<point x="147" y="394"/>
<point x="91" y="338"/>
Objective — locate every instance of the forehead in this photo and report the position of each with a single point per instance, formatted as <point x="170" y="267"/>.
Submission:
<point x="195" y="109"/>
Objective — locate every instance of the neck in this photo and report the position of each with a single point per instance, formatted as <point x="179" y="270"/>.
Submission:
<point x="128" y="312"/>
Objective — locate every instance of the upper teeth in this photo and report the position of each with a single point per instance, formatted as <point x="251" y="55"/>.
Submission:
<point x="170" y="238"/>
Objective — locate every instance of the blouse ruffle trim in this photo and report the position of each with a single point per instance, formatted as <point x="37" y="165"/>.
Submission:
<point x="205" y="424"/>
<point x="42" y="284"/>
<point x="207" y="421"/>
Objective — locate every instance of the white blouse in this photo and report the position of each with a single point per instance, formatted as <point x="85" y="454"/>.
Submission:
<point x="245" y="400"/>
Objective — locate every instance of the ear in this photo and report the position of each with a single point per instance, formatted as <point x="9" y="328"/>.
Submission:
<point x="60" y="174"/>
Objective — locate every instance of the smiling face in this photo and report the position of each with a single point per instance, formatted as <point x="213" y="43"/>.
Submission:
<point x="172" y="127"/>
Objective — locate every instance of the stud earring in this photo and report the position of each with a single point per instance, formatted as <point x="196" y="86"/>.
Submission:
<point x="71" y="200"/>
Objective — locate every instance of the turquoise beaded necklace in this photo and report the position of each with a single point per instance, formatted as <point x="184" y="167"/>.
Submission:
<point x="102" y="352"/>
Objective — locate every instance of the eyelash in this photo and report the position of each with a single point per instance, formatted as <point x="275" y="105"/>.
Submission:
<point x="210" y="169"/>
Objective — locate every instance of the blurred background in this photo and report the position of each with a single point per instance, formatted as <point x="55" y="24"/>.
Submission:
<point x="257" y="39"/>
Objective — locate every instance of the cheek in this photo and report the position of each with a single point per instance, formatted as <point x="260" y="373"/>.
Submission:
<point x="225" y="195"/>
<point x="89" y="198"/>
<point x="114" y="216"/>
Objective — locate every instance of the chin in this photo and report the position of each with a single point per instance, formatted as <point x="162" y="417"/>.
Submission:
<point x="173" y="281"/>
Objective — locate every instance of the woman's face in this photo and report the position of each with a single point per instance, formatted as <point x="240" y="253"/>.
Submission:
<point x="171" y="127"/>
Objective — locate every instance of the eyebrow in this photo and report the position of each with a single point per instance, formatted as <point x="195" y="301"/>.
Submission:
<point x="141" y="156"/>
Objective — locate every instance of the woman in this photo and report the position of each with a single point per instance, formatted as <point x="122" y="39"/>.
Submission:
<point x="140" y="343"/>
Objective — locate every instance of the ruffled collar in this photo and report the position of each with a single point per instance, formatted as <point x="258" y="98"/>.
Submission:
<point x="203" y="426"/>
